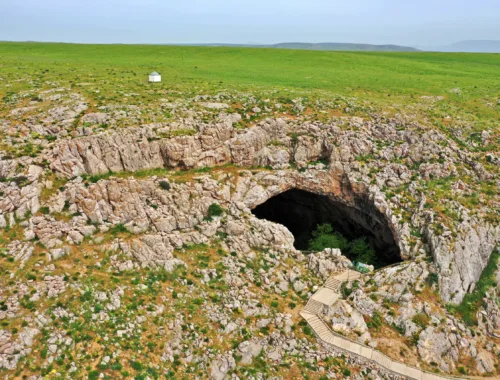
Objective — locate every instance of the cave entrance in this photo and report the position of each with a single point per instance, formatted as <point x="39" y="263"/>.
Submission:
<point x="302" y="212"/>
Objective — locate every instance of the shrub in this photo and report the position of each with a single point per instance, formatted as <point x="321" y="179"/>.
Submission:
<point x="358" y="249"/>
<point x="325" y="237"/>
<point x="307" y="330"/>
<point x="400" y="329"/>
<point x="165" y="185"/>
<point x="136" y="365"/>
<point x="44" y="210"/>
<point x="413" y="340"/>
<point x="87" y="296"/>
<point x="432" y="279"/>
<point x="361" y="251"/>
<point x="344" y="290"/>
<point x="346" y="372"/>
<point x="376" y="321"/>
<point x="214" y="210"/>
<point x="421" y="320"/>
<point x="119" y="228"/>
<point x="30" y="305"/>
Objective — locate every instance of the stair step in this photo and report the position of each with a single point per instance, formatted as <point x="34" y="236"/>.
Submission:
<point x="332" y="280"/>
<point x="313" y="306"/>
<point x="320" y="327"/>
<point x="335" y="288"/>
<point x="318" y="324"/>
<point x="333" y="284"/>
<point x="321" y="333"/>
<point x="315" y="325"/>
<point x="322" y="330"/>
<point x="315" y="318"/>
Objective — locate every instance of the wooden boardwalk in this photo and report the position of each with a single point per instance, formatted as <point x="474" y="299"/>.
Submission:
<point x="325" y="297"/>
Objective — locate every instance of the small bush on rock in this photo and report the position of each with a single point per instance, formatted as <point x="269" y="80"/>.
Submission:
<point x="432" y="279"/>
<point x="165" y="185"/>
<point x="214" y="210"/>
<point x="376" y="321"/>
<point x="118" y="228"/>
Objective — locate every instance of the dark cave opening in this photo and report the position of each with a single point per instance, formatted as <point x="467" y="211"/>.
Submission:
<point x="302" y="211"/>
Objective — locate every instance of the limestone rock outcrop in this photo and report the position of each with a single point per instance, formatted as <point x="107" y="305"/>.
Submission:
<point x="347" y="180"/>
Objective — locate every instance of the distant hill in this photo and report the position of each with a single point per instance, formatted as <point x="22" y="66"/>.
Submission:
<point x="467" y="46"/>
<point x="341" y="46"/>
<point x="325" y="46"/>
<point x="471" y="46"/>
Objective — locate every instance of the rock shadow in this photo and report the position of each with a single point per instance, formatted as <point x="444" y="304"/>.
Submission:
<point x="302" y="211"/>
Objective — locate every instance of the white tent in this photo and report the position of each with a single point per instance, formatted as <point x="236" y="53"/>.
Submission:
<point x="154" y="77"/>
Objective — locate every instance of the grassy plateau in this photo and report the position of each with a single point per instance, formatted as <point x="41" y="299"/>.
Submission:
<point x="468" y="82"/>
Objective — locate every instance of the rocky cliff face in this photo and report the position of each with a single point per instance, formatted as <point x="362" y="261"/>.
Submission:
<point x="461" y="259"/>
<point x="359" y="159"/>
<point x="140" y="198"/>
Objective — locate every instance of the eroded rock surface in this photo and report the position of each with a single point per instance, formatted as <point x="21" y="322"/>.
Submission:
<point x="460" y="256"/>
<point x="132" y="207"/>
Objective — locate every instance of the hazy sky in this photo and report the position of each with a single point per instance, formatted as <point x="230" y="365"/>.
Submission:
<point x="410" y="22"/>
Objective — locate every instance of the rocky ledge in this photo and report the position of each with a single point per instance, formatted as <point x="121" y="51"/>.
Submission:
<point x="375" y="167"/>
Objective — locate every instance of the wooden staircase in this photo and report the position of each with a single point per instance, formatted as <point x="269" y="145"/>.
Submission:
<point x="312" y="314"/>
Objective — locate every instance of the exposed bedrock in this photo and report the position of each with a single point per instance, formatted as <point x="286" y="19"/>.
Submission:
<point x="141" y="148"/>
<point x="461" y="260"/>
<point x="349" y="165"/>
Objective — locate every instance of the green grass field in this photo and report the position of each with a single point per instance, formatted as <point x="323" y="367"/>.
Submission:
<point x="366" y="82"/>
<point x="370" y="76"/>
